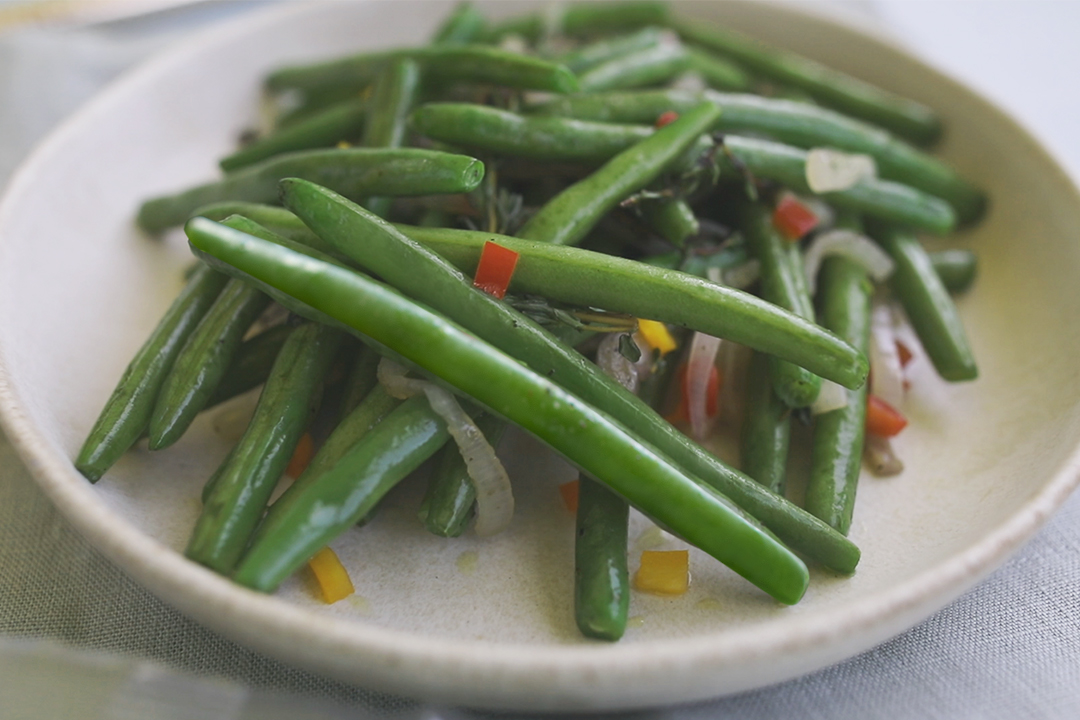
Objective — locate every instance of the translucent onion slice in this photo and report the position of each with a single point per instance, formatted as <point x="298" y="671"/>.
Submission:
<point x="703" y="349"/>
<point x="494" y="496"/>
<point x="855" y="247"/>
<point x="886" y="373"/>
<point x="829" y="170"/>
<point x="880" y="457"/>
<point x="741" y="276"/>
<point x="615" y="365"/>
<point x="832" y="397"/>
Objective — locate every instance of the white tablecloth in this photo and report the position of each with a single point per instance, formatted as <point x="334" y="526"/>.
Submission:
<point x="76" y="635"/>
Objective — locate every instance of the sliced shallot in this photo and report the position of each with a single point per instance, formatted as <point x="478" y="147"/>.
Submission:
<point x="832" y="397"/>
<point x="880" y="457"/>
<point x="699" y="366"/>
<point x="855" y="247"/>
<point x="829" y="170"/>
<point x="886" y="374"/>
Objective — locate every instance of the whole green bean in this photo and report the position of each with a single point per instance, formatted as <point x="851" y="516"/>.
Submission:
<point x="836" y="456"/>
<point x="127" y="412"/>
<point x="203" y="361"/>
<point x="766" y="430"/>
<point x="784" y="285"/>
<point x="793" y="123"/>
<point x="362" y="379"/>
<point x="596" y="53"/>
<point x="601" y="577"/>
<point x="598" y="445"/>
<point x="673" y="220"/>
<point x="649" y="66"/>
<point x="240" y="493"/>
<point x="929" y="308"/>
<point x="251" y="365"/>
<point x="429" y="278"/>
<point x="448" y="502"/>
<point x="344" y="121"/>
<point x="584" y="18"/>
<point x="353" y="172"/>
<point x="956" y="268"/>
<point x="306" y="517"/>
<point x="833" y="88"/>
<point x="444" y="64"/>
<point x="464" y="25"/>
<point x="569" y="216"/>
<point x="590" y="279"/>
<point x="717" y="72"/>
<point x="395" y="94"/>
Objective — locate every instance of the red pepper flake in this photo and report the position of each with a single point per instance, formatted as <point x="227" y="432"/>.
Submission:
<point x="495" y="269"/>
<point x="793" y="218"/>
<point x="570" y="491"/>
<point x="882" y="419"/>
<point x="301" y="457"/>
<point x="905" y="354"/>
<point x="666" y="119"/>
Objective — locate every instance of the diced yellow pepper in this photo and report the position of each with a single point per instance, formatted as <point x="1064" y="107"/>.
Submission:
<point x="657" y="336"/>
<point x="663" y="572"/>
<point x="331" y="575"/>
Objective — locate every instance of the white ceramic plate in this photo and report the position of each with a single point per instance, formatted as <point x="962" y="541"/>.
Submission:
<point x="490" y="622"/>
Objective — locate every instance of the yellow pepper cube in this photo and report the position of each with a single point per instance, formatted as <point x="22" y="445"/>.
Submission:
<point x="656" y="335"/>
<point x="331" y="575"/>
<point x="663" y="572"/>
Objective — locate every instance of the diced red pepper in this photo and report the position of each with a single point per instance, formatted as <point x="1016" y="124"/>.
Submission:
<point x="793" y="218"/>
<point x="905" y="354"/>
<point x="882" y="419"/>
<point x="666" y="119"/>
<point x="495" y="269"/>
<point x="569" y="492"/>
<point x="301" y="457"/>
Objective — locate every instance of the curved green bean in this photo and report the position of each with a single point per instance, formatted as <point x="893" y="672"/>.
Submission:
<point x="598" y="445"/>
<point x="601" y="577"/>
<point x="127" y="412"/>
<point x="356" y="172"/>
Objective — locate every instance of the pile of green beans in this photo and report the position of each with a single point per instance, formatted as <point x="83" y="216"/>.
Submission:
<point x="361" y="214"/>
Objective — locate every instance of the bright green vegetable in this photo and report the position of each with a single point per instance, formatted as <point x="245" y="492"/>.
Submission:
<point x="596" y="53"/>
<point x="601" y="578"/>
<point x="395" y="94"/>
<point x="252" y="364"/>
<point x="766" y="430"/>
<point x="647" y="67"/>
<point x="956" y="268"/>
<point x="673" y="220"/>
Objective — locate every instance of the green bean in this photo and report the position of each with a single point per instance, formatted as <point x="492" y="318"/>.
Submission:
<point x="203" y="361"/>
<point x="361" y="380"/>
<point x="673" y="220"/>
<point x="956" y="268"/>
<point x="127" y="412"/>
<point x="717" y="72"/>
<point x="251" y="365"/>
<point x="306" y="517"/>
<point x="353" y="172"/>
<point x="240" y="493"/>
<point x="274" y="218"/>
<point x="464" y="25"/>
<point x="569" y="216"/>
<point x="444" y="64"/>
<point x="931" y="311"/>
<point x="790" y="122"/>
<point x="601" y="578"/>
<point x="430" y="279"/>
<point x="344" y="121"/>
<point x="766" y="430"/>
<point x="395" y="93"/>
<point x="835" y="89"/>
<point x="448" y="502"/>
<point x="591" y="440"/>
<point x="589" y="279"/>
<point x="580" y="19"/>
<point x="596" y="53"/>
<point x="784" y="285"/>
<point x="878" y="199"/>
<point x="642" y="68"/>
<point x="836" y="456"/>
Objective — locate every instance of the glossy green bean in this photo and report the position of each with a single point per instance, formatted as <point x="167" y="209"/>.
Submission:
<point x="647" y="67"/>
<point x="591" y="440"/>
<point x="589" y="279"/>
<point x="601" y="577"/>
<point x="127" y="412"/>
<point x="956" y="268"/>
<point x="464" y="25"/>
<point x="251" y="365"/>
<point x="326" y="128"/>
<point x="931" y="311"/>
<point x="673" y="220"/>
<point x="240" y="493"/>
<point x="766" y="430"/>
<point x="790" y="122"/>
<point x="203" y="362"/>
<point x="717" y="72"/>
<point x="395" y="93"/>
<point x="448" y="502"/>
<point x="362" y="379"/>
<point x="857" y="98"/>
<point x="836" y="455"/>
<point x="600" y="51"/>
<point x="356" y="172"/>
<point x="782" y="284"/>
<point x="440" y="63"/>
<point x="569" y="216"/>
<point x="429" y="278"/>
